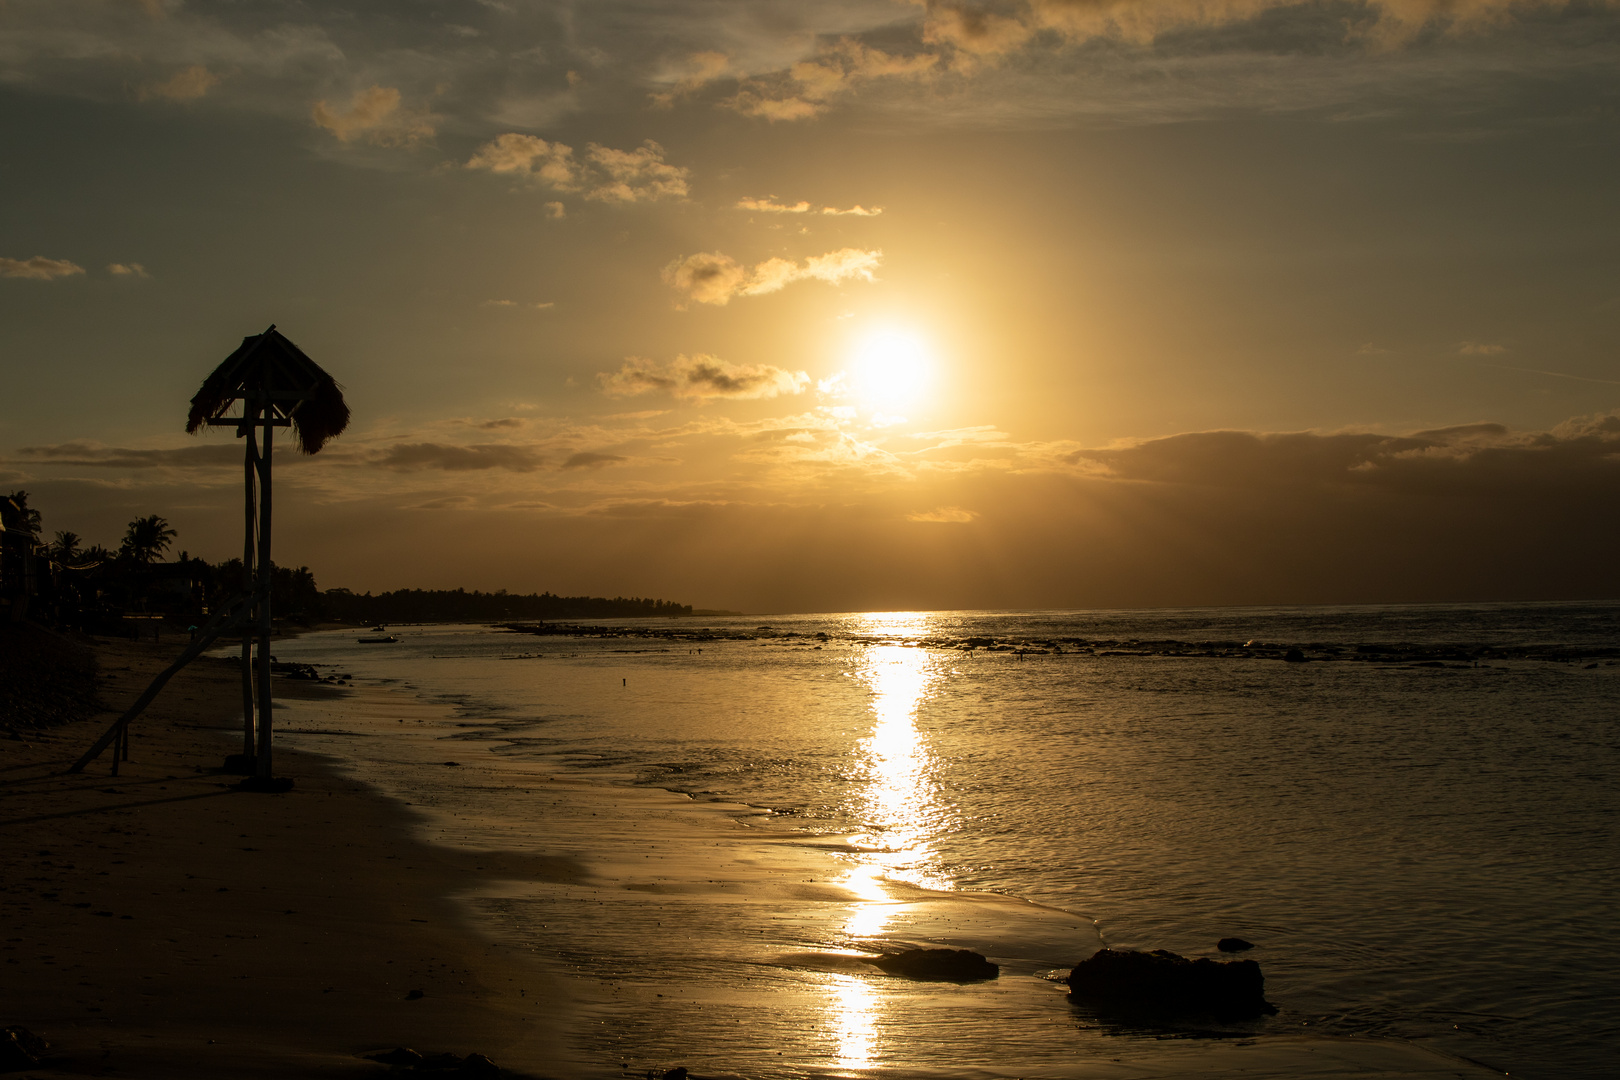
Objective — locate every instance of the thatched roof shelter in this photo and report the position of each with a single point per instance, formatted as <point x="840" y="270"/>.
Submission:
<point x="273" y="370"/>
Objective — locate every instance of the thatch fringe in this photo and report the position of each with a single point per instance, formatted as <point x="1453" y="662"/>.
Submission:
<point x="268" y="361"/>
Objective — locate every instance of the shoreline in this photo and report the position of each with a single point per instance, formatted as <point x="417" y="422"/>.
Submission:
<point x="163" y="924"/>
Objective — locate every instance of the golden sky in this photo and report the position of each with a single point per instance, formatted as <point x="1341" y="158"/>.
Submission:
<point x="781" y="306"/>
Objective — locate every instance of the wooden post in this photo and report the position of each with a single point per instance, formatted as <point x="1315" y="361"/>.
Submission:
<point x="250" y="416"/>
<point x="264" y="769"/>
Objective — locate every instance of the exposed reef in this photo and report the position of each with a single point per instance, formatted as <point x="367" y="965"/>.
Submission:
<point x="1427" y="655"/>
<point x="938" y="965"/>
<point x="1164" y="985"/>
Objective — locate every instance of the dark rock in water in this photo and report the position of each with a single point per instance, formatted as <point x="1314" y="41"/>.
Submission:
<point x="478" y="1065"/>
<point x="677" y="1073"/>
<point x="399" y="1055"/>
<point x="1234" y="944"/>
<point x="20" y="1049"/>
<point x="414" y="995"/>
<point x="938" y="965"/>
<point x="1165" y="984"/>
<point x="440" y="1062"/>
<point x="1294" y="656"/>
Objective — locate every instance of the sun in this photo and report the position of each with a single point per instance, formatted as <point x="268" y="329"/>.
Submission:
<point x="891" y="368"/>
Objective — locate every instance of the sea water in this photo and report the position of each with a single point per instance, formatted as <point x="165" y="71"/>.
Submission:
<point x="1410" y="811"/>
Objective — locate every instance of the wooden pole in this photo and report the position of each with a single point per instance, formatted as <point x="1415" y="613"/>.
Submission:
<point x="250" y="416"/>
<point x="263" y="763"/>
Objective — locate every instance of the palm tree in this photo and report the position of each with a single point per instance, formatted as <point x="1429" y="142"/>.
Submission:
<point x="25" y="519"/>
<point x="66" y="547"/>
<point x="147" y="538"/>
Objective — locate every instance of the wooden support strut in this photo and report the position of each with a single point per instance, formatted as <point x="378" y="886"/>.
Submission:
<point x="223" y="621"/>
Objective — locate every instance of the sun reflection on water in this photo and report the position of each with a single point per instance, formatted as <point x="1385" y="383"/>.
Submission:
<point x="899" y="803"/>
<point x="854" y="1021"/>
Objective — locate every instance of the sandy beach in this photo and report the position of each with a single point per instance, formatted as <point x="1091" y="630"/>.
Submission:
<point x="162" y="923"/>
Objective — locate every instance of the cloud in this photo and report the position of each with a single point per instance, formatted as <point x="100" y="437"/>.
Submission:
<point x="805" y="88"/>
<point x="375" y="115"/>
<point x="185" y="85"/>
<point x="541" y="306"/>
<point x="588" y="460"/>
<point x="127" y="270"/>
<point x="529" y="156"/>
<point x="1469" y="457"/>
<point x="1476" y="348"/>
<point x="605" y="174"/>
<point x="426" y="455"/>
<point x="447" y="502"/>
<point x="39" y="268"/>
<point x="709" y="277"/>
<point x="702" y="378"/>
<point x="95" y="455"/>
<point x="751" y="102"/>
<point x="945" y="515"/>
<point x="701" y="69"/>
<point x="633" y="175"/>
<point x="712" y="277"/>
<point x="977" y="31"/>
<point x="555" y="210"/>
<point x="769" y="205"/>
<point x="503" y="422"/>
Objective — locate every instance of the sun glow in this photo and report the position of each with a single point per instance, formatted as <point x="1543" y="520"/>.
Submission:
<point x="891" y="369"/>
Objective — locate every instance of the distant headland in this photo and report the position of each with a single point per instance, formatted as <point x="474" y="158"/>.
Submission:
<point x="66" y="584"/>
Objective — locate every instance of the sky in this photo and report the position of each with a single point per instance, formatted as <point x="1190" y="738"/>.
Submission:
<point x="855" y="305"/>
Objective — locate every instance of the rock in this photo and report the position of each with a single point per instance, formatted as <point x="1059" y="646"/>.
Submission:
<point x="441" y="1062"/>
<point x="20" y="1049"/>
<point x="1293" y="656"/>
<point x="938" y="965"/>
<point x="414" y="995"/>
<point x="399" y="1055"/>
<point x="1165" y="984"/>
<point x="1234" y="944"/>
<point x="677" y="1073"/>
<point x="478" y="1065"/>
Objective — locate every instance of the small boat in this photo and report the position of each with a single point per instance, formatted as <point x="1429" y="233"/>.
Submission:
<point x="389" y="640"/>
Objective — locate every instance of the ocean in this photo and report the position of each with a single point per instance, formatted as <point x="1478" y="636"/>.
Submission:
<point x="1410" y="811"/>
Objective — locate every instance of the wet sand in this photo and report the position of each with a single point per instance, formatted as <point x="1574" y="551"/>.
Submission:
<point x="162" y="923"/>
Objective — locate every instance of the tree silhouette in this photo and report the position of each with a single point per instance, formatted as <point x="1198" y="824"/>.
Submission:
<point x="147" y="538"/>
<point x="28" y="520"/>
<point x="65" y="549"/>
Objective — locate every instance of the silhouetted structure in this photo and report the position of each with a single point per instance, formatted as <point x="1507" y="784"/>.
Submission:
<point x="276" y="385"/>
